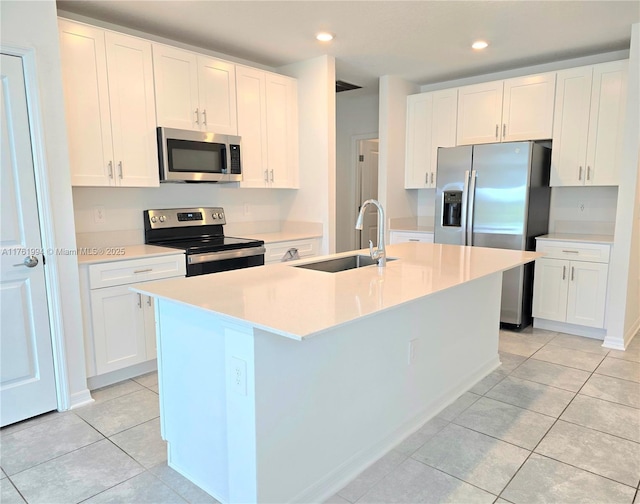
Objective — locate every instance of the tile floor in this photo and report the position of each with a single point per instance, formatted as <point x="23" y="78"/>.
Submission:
<point x="558" y="422"/>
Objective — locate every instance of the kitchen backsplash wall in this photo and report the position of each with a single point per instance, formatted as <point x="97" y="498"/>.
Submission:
<point x="122" y="207"/>
<point x="581" y="210"/>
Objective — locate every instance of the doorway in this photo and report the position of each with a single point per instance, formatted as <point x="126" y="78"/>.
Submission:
<point x="367" y="188"/>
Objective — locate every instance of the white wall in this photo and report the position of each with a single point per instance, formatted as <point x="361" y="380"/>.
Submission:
<point x="33" y="25"/>
<point x="315" y="201"/>
<point x="356" y="116"/>
<point x="396" y="201"/>
<point x="623" y="307"/>
<point x="583" y="210"/>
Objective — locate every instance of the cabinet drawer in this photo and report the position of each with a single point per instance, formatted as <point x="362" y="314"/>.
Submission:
<point x="275" y="252"/>
<point x="574" y="251"/>
<point x="409" y="236"/>
<point x="136" y="270"/>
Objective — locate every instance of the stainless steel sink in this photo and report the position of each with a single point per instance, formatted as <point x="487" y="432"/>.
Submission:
<point x="341" y="263"/>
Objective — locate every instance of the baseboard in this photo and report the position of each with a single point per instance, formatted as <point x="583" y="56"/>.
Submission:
<point x="79" y="399"/>
<point x="343" y="474"/>
<point x="103" y="380"/>
<point x="577" y="330"/>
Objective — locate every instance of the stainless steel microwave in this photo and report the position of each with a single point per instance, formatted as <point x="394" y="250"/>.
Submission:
<point x="198" y="156"/>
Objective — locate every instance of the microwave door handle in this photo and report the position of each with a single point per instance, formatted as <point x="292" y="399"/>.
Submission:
<point x="226" y="168"/>
<point x="471" y="205"/>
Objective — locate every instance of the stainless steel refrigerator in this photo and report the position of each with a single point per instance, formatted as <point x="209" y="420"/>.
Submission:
<point x="496" y="196"/>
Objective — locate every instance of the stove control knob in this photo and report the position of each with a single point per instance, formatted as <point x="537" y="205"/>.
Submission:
<point x="221" y="215"/>
<point x="214" y="215"/>
<point x="162" y="218"/>
<point x="154" y="219"/>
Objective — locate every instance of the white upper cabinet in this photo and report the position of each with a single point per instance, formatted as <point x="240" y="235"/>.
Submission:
<point x="109" y="105"/>
<point x="505" y="111"/>
<point x="588" y="120"/>
<point x="431" y="123"/>
<point x="194" y="92"/>
<point x="268" y="126"/>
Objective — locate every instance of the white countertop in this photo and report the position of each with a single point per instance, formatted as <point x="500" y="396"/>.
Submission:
<point x="585" y="238"/>
<point x="298" y="302"/>
<point x="94" y="255"/>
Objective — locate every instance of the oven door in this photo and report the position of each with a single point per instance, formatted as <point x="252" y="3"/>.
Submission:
<point x="215" y="262"/>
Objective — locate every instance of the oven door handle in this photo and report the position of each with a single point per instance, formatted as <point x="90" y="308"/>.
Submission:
<point x="227" y="254"/>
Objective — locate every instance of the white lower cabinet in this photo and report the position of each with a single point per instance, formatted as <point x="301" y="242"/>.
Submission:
<point x="119" y="323"/>
<point x="276" y="252"/>
<point x="570" y="283"/>
<point x="410" y="236"/>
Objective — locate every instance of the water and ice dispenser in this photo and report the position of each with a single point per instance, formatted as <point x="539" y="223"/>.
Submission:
<point x="452" y="208"/>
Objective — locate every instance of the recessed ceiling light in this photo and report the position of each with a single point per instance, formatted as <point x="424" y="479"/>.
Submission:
<point x="324" y="37"/>
<point x="479" y="44"/>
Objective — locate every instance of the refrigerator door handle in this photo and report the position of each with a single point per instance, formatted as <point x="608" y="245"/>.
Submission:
<point x="470" y="205"/>
<point x="465" y="206"/>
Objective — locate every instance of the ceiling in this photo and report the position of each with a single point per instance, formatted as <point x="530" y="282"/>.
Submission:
<point x="421" y="41"/>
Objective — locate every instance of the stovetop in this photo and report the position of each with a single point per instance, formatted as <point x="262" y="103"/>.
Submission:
<point x="210" y="244"/>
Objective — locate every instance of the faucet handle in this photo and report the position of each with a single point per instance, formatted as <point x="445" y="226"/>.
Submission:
<point x="371" y="249"/>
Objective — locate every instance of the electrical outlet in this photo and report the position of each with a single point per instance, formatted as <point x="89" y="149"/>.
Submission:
<point x="413" y="350"/>
<point x="99" y="216"/>
<point x="239" y="376"/>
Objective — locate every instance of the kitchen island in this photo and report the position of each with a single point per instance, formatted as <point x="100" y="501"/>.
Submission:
<point x="280" y="383"/>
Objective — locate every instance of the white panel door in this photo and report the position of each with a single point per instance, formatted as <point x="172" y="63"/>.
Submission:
<point x="479" y="113"/>
<point x="608" y="100"/>
<point x="84" y="74"/>
<point x="550" y="285"/>
<point x="570" y="127"/>
<point x="176" y="80"/>
<point x="118" y="328"/>
<point x="217" y="92"/>
<point x="587" y="293"/>
<point x="527" y="110"/>
<point x="418" y="146"/>
<point x="282" y="127"/>
<point x="27" y="384"/>
<point x="368" y="176"/>
<point x="252" y="126"/>
<point x="133" y="117"/>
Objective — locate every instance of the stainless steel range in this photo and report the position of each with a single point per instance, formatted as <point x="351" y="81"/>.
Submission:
<point x="199" y="232"/>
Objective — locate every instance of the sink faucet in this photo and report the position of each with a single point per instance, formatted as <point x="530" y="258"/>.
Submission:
<point x="379" y="254"/>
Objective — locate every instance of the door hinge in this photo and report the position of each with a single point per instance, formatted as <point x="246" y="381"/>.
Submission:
<point x="361" y="158"/>
<point x="44" y="260"/>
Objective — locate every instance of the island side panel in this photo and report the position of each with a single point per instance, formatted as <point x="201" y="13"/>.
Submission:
<point x="192" y="377"/>
<point x="329" y="406"/>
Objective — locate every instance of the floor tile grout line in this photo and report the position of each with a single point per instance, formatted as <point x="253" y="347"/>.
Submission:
<point x="16" y="488"/>
<point x="583" y="394"/>
<point x="377" y="482"/>
<point x="132" y="427"/>
<point x="617" y="377"/>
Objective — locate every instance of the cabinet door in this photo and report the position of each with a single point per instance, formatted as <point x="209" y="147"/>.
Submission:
<point x="252" y="127"/>
<point x="410" y="236"/>
<point x="133" y="118"/>
<point x="587" y="293"/>
<point x="570" y="127"/>
<point x="176" y="81"/>
<point x="550" y="284"/>
<point x="418" y="146"/>
<point x="282" y="130"/>
<point x="149" y="327"/>
<point x="217" y="92"/>
<point x="479" y="113"/>
<point x="443" y="127"/>
<point x="86" y="97"/>
<point x="118" y="328"/>
<point x="604" y="146"/>
<point x="527" y="110"/>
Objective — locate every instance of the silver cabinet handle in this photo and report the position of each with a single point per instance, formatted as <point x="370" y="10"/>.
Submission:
<point x="580" y="173"/>
<point x="139" y="300"/>
<point x="564" y="272"/>
<point x="571" y="251"/>
<point x="204" y="117"/>
<point x="572" y="272"/>
<point x="432" y="177"/>
<point x="588" y="173"/>
<point x="143" y="270"/>
<point x="271" y="175"/>
<point x="120" y="168"/>
<point x="266" y="175"/>
<point x="497" y="130"/>
<point x="148" y="300"/>
<point x="426" y="177"/>
<point x="414" y="239"/>
<point x="504" y="131"/>
<point x="110" y="166"/>
<point x="197" y="117"/>
<point x="29" y="262"/>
